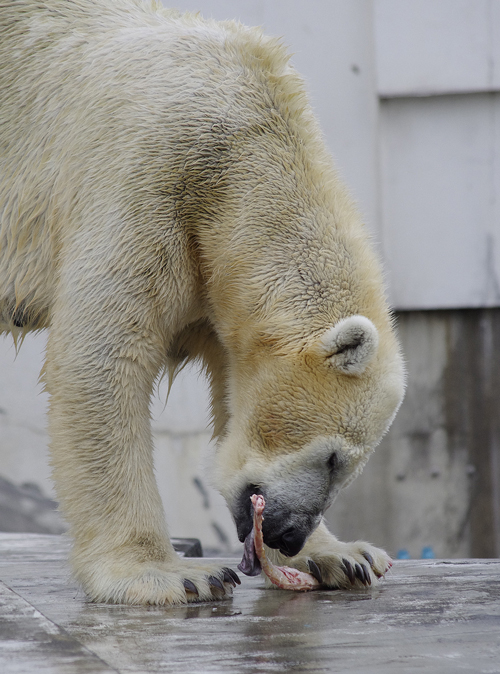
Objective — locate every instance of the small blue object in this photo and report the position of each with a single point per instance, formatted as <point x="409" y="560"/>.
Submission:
<point x="428" y="552"/>
<point x="403" y="554"/>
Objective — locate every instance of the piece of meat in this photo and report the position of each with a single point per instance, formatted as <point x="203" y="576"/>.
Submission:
<point x="254" y="557"/>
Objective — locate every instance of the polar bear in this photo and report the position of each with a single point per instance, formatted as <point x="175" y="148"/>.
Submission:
<point x="165" y="196"/>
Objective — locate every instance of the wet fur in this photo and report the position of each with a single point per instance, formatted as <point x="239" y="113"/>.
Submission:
<point x="166" y="196"/>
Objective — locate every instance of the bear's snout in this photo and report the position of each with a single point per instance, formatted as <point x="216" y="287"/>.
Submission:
<point x="285" y="529"/>
<point x="289" y="542"/>
<point x="282" y="528"/>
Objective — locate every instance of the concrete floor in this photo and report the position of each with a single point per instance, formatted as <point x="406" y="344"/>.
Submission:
<point x="427" y="616"/>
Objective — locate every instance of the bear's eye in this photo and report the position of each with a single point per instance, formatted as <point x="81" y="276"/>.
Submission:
<point x="333" y="463"/>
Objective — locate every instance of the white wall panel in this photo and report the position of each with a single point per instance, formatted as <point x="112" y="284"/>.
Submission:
<point x="437" y="46"/>
<point x="495" y="43"/>
<point x="441" y="233"/>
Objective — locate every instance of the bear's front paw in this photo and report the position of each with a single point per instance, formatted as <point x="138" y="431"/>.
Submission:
<point x="345" y="565"/>
<point x="157" y="584"/>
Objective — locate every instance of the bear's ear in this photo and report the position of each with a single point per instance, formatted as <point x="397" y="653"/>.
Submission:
<point x="351" y="344"/>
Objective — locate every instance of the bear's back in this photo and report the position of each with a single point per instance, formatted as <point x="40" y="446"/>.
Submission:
<point x="86" y="89"/>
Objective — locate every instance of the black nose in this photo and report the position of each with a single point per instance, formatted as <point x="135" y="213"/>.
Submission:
<point x="289" y="543"/>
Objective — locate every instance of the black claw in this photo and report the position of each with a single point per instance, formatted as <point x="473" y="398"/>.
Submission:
<point x="190" y="587"/>
<point x="348" y="571"/>
<point x="368" y="558"/>
<point x="359" y="573"/>
<point x="234" y="576"/>
<point x="215" y="582"/>
<point x="315" y="570"/>
<point x="367" y="574"/>
<point x="227" y="578"/>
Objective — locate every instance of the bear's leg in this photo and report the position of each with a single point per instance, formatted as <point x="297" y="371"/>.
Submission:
<point x="101" y="363"/>
<point x="336" y="564"/>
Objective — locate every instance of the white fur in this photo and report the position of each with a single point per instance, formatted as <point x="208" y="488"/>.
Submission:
<point x="166" y="195"/>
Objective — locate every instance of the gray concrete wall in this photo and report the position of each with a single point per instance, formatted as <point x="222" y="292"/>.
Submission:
<point x="435" y="478"/>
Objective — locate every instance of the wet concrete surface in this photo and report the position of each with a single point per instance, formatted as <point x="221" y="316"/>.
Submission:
<point x="427" y="616"/>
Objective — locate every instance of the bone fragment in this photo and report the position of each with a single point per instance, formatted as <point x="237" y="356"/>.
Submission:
<point x="283" y="577"/>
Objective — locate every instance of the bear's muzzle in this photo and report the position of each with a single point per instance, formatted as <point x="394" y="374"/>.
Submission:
<point x="282" y="528"/>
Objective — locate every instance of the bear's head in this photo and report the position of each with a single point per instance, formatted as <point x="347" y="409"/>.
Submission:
<point x="303" y="420"/>
<point x="295" y="295"/>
